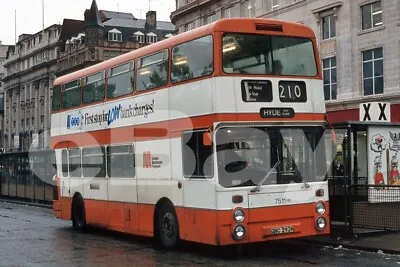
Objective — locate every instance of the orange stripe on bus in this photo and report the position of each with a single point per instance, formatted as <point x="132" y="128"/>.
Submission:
<point x="212" y="227"/>
<point x="162" y="130"/>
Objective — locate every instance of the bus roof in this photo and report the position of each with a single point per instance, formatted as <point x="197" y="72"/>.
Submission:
<point x="243" y="25"/>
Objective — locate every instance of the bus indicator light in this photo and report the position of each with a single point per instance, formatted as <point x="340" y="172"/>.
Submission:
<point x="236" y="199"/>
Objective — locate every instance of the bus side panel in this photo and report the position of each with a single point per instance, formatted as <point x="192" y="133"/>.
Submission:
<point x="197" y="217"/>
<point x="177" y="178"/>
<point x="66" y="205"/>
<point x="153" y="172"/>
<point x="200" y="225"/>
<point x="188" y="100"/>
<point x="96" y="212"/>
<point x="200" y="211"/>
<point x="65" y="200"/>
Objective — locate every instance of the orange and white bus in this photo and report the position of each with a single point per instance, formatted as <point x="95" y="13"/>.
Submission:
<point x="208" y="136"/>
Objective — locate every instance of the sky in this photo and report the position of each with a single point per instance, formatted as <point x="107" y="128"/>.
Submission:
<point x="29" y="17"/>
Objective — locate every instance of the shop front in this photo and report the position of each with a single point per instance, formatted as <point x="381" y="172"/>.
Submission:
<point x="364" y="178"/>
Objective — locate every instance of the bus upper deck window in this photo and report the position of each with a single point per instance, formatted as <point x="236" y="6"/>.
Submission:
<point x="268" y="55"/>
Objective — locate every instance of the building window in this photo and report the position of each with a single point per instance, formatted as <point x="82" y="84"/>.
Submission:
<point x="248" y="9"/>
<point x="231" y="12"/>
<point x="190" y="26"/>
<point x="151" y="38"/>
<point x="328" y="27"/>
<point x="371" y="15"/>
<point x="115" y="35"/>
<point x="373" y="71"/>
<point x="139" y="37"/>
<point x="210" y="19"/>
<point x="227" y="12"/>
<point x="330" y="82"/>
<point x="275" y="4"/>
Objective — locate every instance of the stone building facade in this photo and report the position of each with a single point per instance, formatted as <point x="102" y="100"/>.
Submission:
<point x="30" y="71"/>
<point x="358" y="41"/>
<point x="106" y="34"/>
<point x="37" y="59"/>
<point x="3" y="57"/>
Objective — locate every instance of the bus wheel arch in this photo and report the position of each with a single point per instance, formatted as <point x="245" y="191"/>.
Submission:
<point x="78" y="213"/>
<point x="166" y="225"/>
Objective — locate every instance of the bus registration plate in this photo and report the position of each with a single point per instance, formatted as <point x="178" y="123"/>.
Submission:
<point x="282" y="230"/>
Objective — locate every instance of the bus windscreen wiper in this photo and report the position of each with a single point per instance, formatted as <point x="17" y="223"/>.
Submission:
<point x="257" y="188"/>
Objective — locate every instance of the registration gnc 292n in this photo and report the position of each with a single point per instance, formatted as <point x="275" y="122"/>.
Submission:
<point x="208" y="136"/>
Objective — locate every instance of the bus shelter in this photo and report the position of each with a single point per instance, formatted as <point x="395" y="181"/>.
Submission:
<point x="364" y="180"/>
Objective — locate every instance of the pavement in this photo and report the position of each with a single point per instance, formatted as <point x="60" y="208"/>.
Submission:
<point x="387" y="242"/>
<point x="32" y="236"/>
<point x="21" y="202"/>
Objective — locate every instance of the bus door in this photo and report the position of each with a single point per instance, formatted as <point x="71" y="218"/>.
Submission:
<point x="71" y="170"/>
<point x="95" y="191"/>
<point x="122" y="188"/>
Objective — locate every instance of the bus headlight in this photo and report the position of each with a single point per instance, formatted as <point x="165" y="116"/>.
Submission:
<point x="239" y="232"/>
<point x="321" y="208"/>
<point x="238" y="215"/>
<point x="320" y="223"/>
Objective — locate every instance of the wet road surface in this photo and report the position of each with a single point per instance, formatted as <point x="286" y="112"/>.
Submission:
<point x="31" y="236"/>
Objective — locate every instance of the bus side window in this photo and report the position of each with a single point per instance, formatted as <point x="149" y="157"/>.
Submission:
<point x="93" y="88"/>
<point x="197" y="158"/>
<point x="192" y="59"/>
<point x="56" y="98"/>
<point x="120" y="80"/>
<point x="71" y="94"/>
<point x="152" y="71"/>
<point x="93" y="162"/>
<point x="120" y="161"/>
<point x="64" y="162"/>
<point x="75" y="162"/>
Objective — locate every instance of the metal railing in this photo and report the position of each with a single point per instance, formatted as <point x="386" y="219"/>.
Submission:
<point x="375" y="207"/>
<point x="27" y="176"/>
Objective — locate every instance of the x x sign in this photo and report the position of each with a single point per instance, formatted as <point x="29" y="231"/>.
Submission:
<point x="375" y="111"/>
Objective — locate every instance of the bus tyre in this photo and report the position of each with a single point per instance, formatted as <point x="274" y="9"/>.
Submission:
<point x="167" y="230"/>
<point x="79" y="215"/>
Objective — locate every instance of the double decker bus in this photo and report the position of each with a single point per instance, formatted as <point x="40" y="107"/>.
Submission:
<point x="209" y="136"/>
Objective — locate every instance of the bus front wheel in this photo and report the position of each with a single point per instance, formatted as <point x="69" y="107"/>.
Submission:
<point x="167" y="230"/>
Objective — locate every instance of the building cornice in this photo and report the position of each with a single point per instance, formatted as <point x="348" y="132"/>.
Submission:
<point x="21" y="56"/>
<point x="284" y="9"/>
<point x="34" y="68"/>
<point x="180" y="12"/>
<point x="327" y="7"/>
<point x="353" y="103"/>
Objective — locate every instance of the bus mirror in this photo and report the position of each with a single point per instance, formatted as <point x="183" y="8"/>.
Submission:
<point x="207" y="139"/>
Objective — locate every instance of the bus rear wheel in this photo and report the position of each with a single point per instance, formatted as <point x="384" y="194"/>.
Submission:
<point x="167" y="230"/>
<point x="78" y="215"/>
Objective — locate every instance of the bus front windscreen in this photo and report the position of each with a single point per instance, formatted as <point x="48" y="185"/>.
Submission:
<point x="246" y="155"/>
<point x="268" y="55"/>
